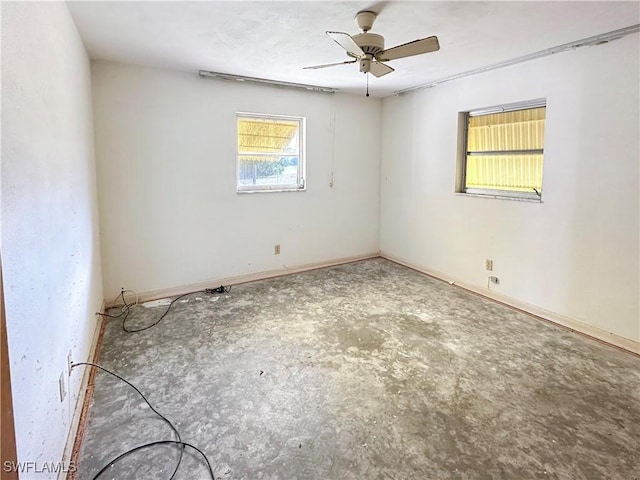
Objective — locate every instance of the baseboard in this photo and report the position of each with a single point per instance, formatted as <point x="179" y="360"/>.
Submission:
<point x="252" y="277"/>
<point x="566" y="322"/>
<point x="72" y="447"/>
<point x="571" y="324"/>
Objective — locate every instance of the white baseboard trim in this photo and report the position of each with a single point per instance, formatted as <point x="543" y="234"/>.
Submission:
<point x="67" y="455"/>
<point x="251" y="277"/>
<point x="596" y="333"/>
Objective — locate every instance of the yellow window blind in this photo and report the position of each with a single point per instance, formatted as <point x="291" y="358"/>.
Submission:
<point x="267" y="136"/>
<point x="505" y="151"/>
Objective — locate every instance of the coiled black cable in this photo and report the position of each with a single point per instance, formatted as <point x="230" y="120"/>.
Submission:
<point x="126" y="309"/>
<point x="151" y="444"/>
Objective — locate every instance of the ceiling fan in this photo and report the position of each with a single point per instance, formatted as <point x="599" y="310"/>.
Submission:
<point x="368" y="48"/>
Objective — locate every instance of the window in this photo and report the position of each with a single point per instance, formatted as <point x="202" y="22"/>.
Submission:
<point x="503" y="151"/>
<point x="270" y="153"/>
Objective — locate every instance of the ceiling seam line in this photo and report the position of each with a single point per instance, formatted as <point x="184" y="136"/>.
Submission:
<point x="589" y="41"/>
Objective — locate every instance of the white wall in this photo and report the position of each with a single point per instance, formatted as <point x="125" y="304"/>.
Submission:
<point x="576" y="254"/>
<point x="50" y="245"/>
<point x="169" y="212"/>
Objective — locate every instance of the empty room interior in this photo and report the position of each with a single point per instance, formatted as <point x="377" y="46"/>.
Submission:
<point x="320" y="240"/>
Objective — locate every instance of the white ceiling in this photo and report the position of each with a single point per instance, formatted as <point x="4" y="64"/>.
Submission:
<point x="274" y="40"/>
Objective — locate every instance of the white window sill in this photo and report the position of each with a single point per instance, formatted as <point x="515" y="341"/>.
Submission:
<point x="273" y="190"/>
<point x="499" y="197"/>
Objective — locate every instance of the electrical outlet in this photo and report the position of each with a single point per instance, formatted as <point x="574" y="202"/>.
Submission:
<point x="61" y="385"/>
<point x="69" y="363"/>
<point x="494" y="280"/>
<point x="276" y="249"/>
<point x="488" y="264"/>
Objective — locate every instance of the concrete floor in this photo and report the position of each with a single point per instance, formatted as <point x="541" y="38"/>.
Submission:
<point x="363" y="371"/>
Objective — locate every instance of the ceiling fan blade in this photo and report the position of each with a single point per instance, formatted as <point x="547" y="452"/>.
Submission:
<point x="417" y="47"/>
<point x="379" y="69"/>
<point x="377" y="7"/>
<point x="329" y="65"/>
<point x="346" y="42"/>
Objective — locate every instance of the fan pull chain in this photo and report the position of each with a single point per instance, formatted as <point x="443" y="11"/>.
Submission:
<point x="367" y="84"/>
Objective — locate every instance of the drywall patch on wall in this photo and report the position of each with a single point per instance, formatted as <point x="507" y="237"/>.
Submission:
<point x="50" y="244"/>
<point x="166" y="153"/>
<point x="577" y="253"/>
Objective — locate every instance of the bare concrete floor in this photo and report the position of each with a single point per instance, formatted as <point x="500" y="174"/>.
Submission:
<point x="363" y="371"/>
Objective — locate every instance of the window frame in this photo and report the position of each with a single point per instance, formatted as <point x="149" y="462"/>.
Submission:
<point x="461" y="184"/>
<point x="301" y="183"/>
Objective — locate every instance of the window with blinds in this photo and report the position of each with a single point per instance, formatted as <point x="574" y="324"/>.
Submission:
<point x="270" y="153"/>
<point x="504" y="149"/>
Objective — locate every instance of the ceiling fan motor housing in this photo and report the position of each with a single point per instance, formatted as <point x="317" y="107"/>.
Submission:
<point x="370" y="43"/>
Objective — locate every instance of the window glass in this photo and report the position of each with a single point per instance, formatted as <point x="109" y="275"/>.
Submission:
<point x="504" y="152"/>
<point x="270" y="153"/>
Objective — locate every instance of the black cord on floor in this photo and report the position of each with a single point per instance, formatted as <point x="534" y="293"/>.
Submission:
<point x="153" y="444"/>
<point x="134" y="330"/>
<point x="220" y="289"/>
<point x="126" y="309"/>
<point x="179" y="442"/>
